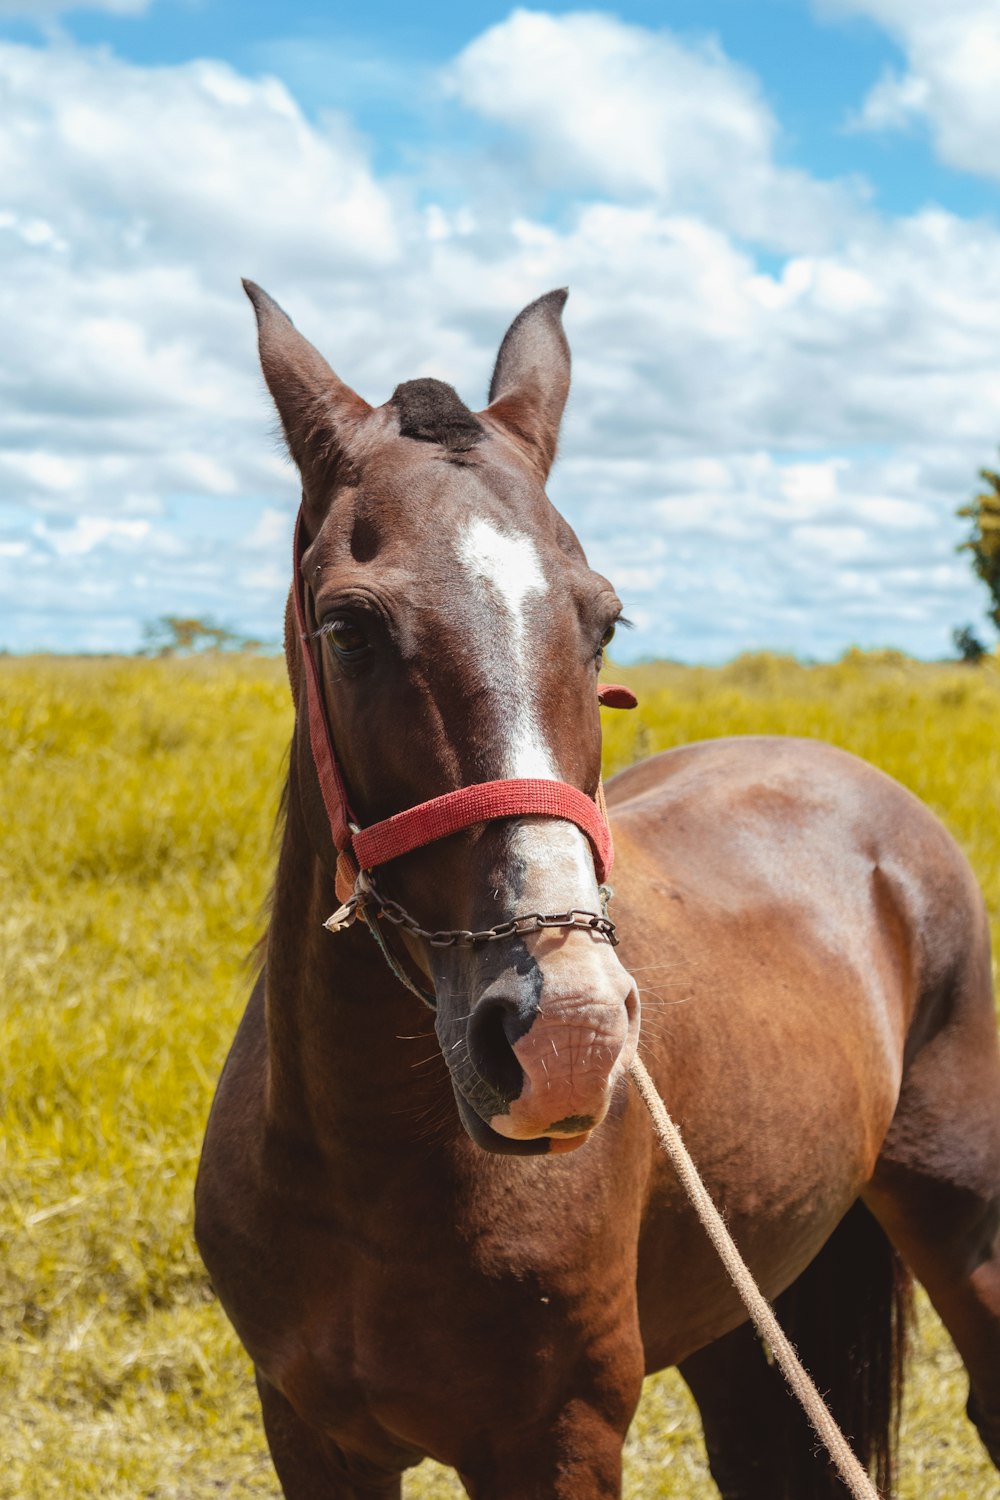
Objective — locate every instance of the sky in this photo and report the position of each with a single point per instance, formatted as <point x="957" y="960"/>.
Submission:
<point x="777" y="219"/>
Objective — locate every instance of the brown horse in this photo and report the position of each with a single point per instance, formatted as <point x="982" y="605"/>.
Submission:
<point x="450" y="1233"/>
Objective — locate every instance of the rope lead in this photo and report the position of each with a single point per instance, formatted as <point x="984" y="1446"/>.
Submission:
<point x="760" y="1310"/>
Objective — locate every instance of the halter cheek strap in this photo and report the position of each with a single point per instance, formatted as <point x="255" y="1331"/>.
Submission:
<point x="366" y="848"/>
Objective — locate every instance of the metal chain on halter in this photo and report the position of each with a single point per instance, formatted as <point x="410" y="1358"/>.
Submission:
<point x="368" y="902"/>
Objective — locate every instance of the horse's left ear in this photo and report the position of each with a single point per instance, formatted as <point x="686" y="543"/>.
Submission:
<point x="531" y="379"/>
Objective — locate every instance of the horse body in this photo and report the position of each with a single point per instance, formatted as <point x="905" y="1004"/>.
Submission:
<point x="813" y="962"/>
<point x="787" y="937"/>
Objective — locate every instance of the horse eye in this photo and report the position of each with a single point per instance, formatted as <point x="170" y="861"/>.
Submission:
<point x="347" y="638"/>
<point x="607" y="638"/>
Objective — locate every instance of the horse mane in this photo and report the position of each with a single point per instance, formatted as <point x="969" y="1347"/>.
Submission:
<point x="432" y="412"/>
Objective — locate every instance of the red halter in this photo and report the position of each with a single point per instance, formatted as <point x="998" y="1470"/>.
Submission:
<point x="367" y="848"/>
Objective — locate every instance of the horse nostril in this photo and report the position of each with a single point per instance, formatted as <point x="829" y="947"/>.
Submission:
<point x="494" y="1026"/>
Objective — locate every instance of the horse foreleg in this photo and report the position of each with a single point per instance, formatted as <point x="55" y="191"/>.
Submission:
<point x="936" y="1190"/>
<point x="309" y="1466"/>
<point x="574" y="1455"/>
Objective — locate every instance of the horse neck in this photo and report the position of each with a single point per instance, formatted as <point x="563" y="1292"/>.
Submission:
<point x="351" y="1054"/>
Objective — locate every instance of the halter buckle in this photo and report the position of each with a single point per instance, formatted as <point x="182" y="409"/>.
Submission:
<point x="344" y="916"/>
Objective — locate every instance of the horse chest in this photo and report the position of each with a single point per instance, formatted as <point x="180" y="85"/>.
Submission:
<point x="379" y="1341"/>
<point x="374" y="1319"/>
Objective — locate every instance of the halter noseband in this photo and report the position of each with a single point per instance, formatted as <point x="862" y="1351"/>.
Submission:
<point x="360" y="850"/>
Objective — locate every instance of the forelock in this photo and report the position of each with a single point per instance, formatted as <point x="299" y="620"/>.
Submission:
<point x="432" y="412"/>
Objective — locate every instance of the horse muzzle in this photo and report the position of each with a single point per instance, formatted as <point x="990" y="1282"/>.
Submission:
<point x="570" y="1061"/>
<point x="541" y="1059"/>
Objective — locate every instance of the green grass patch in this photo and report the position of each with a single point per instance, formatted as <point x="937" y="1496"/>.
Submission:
<point x="139" y="800"/>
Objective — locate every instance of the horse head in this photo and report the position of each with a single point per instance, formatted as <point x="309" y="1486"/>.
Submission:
<point x="456" y="632"/>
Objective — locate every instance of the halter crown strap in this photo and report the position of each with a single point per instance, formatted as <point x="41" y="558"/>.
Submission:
<point x="441" y="816"/>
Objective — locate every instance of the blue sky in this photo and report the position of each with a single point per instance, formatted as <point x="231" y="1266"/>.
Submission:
<point x="778" y="222"/>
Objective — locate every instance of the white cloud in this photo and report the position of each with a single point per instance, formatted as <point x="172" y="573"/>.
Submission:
<point x="136" y="197"/>
<point x="88" y="532"/>
<point x="805" y="556"/>
<point x="605" y="106"/>
<point x="38" y="10"/>
<point x="150" y="162"/>
<point x="895" y="102"/>
<point x="952" y="53"/>
<point x="760" y="456"/>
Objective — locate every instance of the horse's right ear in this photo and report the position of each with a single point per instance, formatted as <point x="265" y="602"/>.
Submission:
<point x="318" y="412"/>
<point x="531" y="379"/>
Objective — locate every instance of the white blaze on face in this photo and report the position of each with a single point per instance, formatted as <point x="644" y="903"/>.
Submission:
<point x="508" y="567"/>
<point x="573" y="1056"/>
<point x="557" y="857"/>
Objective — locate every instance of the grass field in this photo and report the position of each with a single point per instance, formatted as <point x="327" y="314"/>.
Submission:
<point x="138" y="804"/>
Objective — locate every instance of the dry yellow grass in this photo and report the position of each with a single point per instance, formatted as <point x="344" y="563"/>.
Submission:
<point x="139" y="799"/>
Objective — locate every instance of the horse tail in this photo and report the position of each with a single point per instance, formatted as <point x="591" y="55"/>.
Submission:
<point x="848" y="1316"/>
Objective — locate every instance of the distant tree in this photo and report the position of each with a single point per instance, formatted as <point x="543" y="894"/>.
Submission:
<point x="983" y="510"/>
<point x="968" y="645"/>
<point x="180" y="635"/>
